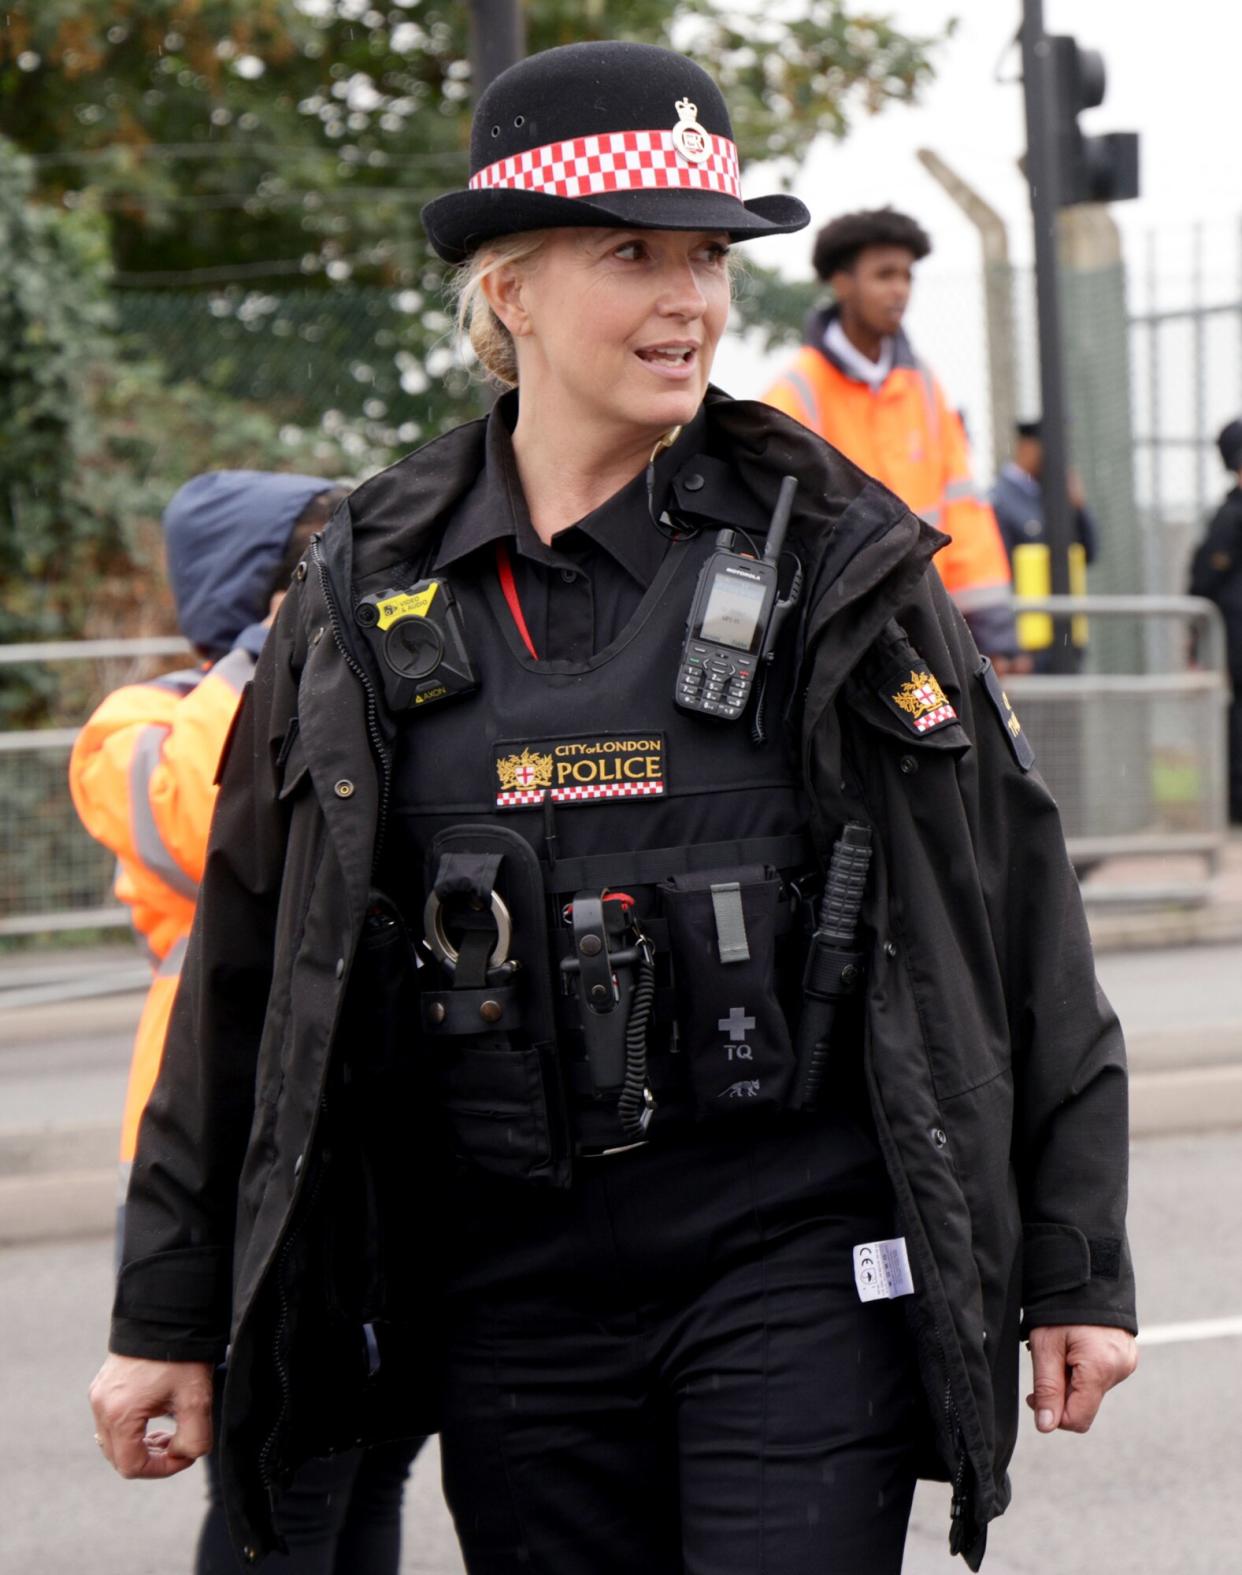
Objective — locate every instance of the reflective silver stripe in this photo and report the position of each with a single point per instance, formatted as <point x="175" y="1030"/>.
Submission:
<point x="978" y="597"/>
<point x="932" y="516"/>
<point x="962" y="492"/>
<point x="148" y="844"/>
<point x="928" y="384"/>
<point x="806" y="394"/>
<point x="171" y="966"/>
<point x="236" y="669"/>
<point x="181" y="682"/>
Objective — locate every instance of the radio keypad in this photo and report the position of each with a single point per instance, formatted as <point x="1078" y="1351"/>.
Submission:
<point x="714" y="681"/>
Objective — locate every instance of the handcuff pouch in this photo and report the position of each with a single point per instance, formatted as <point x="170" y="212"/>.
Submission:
<point x="490" y="1028"/>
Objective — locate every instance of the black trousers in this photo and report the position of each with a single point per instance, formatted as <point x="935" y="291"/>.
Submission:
<point x="339" y="1516"/>
<point x="668" y="1370"/>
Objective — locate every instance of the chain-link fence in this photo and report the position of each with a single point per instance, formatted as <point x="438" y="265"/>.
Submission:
<point x="1187" y="345"/>
<point x="348" y="356"/>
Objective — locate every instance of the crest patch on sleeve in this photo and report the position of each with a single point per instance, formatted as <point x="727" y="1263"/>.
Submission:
<point x="1023" y="753"/>
<point x="919" y="701"/>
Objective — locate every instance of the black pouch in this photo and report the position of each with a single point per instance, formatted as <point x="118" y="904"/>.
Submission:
<point x="723" y="929"/>
<point x="491" y="1040"/>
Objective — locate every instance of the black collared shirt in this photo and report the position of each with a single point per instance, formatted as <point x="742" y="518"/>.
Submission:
<point x="577" y="594"/>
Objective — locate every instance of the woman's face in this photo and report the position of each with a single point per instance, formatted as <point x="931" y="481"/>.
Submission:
<point x="620" y="326"/>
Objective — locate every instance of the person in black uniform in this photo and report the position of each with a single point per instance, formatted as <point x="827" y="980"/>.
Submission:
<point x="697" y="1163"/>
<point x="1216" y="572"/>
<point x="1017" y="499"/>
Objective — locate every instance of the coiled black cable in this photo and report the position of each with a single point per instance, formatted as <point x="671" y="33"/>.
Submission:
<point x="634" y="1106"/>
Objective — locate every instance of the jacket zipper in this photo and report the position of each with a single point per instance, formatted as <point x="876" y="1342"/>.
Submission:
<point x="278" y="1340"/>
<point x="373" y="727"/>
<point x="282" y="1374"/>
<point x="960" y="1503"/>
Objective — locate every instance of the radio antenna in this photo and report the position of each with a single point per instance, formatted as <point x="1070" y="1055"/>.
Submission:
<point x="780" y="519"/>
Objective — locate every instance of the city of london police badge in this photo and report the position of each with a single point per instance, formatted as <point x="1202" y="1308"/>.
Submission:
<point x="580" y="770"/>
<point x="524" y="772"/>
<point x="924" y="702"/>
<point x="689" y="138"/>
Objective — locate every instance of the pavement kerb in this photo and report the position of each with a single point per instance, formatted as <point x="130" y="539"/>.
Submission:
<point x="96" y="1014"/>
<point x="1154" y="929"/>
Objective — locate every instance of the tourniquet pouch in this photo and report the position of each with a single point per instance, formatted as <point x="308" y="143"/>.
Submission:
<point x="488" y="1021"/>
<point x="723" y="932"/>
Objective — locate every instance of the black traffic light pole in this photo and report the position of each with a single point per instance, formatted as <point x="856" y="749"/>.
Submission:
<point x="497" y="39"/>
<point x="1043" y="115"/>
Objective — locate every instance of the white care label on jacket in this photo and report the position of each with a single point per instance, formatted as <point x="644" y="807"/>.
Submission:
<point x="882" y="1270"/>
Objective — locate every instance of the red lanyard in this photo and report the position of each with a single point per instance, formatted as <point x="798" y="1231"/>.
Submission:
<point x="507" y="584"/>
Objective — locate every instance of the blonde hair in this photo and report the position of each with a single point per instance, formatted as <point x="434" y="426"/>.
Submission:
<point x="490" y="340"/>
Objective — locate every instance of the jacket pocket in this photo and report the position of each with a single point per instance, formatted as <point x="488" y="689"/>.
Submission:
<point x="291" y="762"/>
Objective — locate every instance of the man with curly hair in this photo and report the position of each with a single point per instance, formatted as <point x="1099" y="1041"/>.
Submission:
<point x="857" y="382"/>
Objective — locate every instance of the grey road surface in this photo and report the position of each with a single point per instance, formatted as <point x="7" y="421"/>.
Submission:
<point x="1155" y="1489"/>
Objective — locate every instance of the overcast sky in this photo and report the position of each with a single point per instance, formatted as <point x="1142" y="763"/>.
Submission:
<point x="1178" y="84"/>
<point x="1174" y="76"/>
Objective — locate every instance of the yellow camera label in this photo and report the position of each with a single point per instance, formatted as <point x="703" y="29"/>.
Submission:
<point x="406" y="606"/>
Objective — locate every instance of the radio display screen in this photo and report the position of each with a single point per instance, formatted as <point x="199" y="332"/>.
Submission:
<point x="734" y="608"/>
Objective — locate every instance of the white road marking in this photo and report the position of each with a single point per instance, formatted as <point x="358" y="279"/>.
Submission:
<point x="1202" y="1329"/>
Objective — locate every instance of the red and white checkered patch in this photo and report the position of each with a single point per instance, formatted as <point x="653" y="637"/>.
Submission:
<point x="930" y="719"/>
<point x="615" y="161"/>
<point x="580" y="794"/>
<point x="519" y="800"/>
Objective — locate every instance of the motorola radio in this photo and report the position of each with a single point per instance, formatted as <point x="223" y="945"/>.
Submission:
<point x="734" y="620"/>
<point x="417" y="632"/>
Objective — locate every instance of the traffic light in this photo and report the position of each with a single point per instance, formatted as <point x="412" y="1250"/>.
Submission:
<point x="1089" y="169"/>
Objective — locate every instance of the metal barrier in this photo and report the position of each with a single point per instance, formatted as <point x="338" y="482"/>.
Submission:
<point x="53" y="877"/>
<point x="1136" y="756"/>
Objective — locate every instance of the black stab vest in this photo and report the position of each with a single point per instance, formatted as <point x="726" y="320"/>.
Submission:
<point x="592" y="762"/>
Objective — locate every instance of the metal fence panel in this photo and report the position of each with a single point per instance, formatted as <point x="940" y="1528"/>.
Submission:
<point x="1137" y="760"/>
<point x="53" y="876"/>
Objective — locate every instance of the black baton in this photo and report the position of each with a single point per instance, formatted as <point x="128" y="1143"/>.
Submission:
<point x="834" y="965"/>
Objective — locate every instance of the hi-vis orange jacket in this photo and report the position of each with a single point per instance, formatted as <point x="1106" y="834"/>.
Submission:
<point x="905" y="435"/>
<point x="142" y="775"/>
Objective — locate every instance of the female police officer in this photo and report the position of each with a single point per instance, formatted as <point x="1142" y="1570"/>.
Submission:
<point x="696" y="1265"/>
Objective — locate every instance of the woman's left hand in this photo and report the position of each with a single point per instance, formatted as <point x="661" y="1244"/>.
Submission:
<point x="1075" y="1366"/>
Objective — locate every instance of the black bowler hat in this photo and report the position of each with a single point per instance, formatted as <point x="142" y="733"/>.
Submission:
<point x="602" y="134"/>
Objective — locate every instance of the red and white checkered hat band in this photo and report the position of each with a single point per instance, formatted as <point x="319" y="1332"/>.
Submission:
<point x="615" y="161"/>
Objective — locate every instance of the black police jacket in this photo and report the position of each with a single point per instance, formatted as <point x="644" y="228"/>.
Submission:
<point x="1216" y="572"/>
<point x="279" y="1201"/>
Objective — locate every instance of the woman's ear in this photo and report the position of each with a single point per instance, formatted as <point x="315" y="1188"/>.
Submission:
<point x="502" y="289"/>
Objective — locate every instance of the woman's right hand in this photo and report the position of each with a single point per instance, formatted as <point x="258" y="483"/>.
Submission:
<point x="128" y="1392"/>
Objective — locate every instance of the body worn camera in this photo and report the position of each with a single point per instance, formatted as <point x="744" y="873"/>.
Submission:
<point x="734" y="620"/>
<point x="417" y="633"/>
